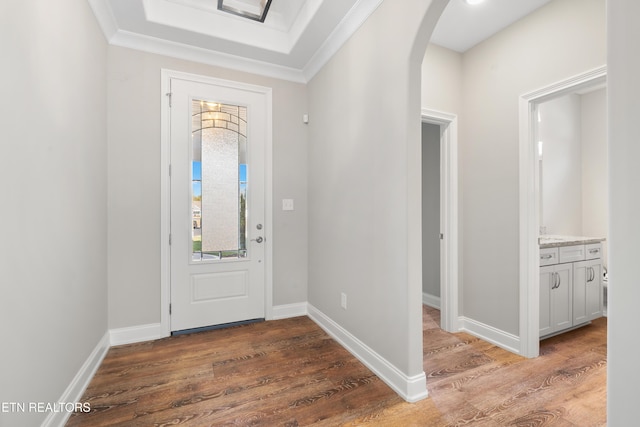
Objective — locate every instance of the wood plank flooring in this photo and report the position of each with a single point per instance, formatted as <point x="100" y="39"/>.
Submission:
<point x="290" y="373"/>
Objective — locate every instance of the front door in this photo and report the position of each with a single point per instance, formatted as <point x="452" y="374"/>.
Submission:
<point x="217" y="251"/>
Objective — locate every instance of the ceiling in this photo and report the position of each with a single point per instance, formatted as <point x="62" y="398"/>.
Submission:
<point x="296" y="39"/>
<point x="462" y="26"/>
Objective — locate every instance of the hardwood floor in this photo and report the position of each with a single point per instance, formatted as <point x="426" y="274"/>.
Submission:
<point x="290" y="373"/>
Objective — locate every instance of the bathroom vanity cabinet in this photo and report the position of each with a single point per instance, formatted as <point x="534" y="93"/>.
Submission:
<point x="570" y="283"/>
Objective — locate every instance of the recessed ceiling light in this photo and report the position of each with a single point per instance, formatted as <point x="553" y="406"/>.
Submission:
<point x="472" y="2"/>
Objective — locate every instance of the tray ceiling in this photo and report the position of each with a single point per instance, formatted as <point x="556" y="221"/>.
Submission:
<point x="296" y="39"/>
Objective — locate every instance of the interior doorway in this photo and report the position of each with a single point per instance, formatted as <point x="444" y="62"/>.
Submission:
<point x="440" y="225"/>
<point x="530" y="200"/>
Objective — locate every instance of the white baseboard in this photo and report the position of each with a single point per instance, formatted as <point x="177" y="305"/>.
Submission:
<point x="286" y="311"/>
<point x="153" y="331"/>
<point x="135" y="334"/>
<point x="411" y="389"/>
<point x="431" y="300"/>
<point x="79" y="384"/>
<point x="495" y="336"/>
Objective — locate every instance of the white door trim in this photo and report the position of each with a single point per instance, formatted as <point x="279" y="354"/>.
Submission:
<point x="448" y="215"/>
<point x="165" y="197"/>
<point x="530" y="203"/>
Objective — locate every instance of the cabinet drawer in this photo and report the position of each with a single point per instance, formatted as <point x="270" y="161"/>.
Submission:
<point x="548" y="256"/>
<point x="593" y="251"/>
<point x="571" y="253"/>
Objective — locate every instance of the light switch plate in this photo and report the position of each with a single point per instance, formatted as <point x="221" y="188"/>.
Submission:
<point x="287" y="204"/>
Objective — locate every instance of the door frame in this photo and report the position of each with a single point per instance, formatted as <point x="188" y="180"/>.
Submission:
<point x="165" y="188"/>
<point x="530" y="202"/>
<point x="448" y="123"/>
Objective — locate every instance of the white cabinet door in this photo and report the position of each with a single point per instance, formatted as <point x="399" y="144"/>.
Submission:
<point x="587" y="291"/>
<point x="595" y="294"/>
<point x="581" y="274"/>
<point x="561" y="298"/>
<point x="547" y="278"/>
<point x="556" y="308"/>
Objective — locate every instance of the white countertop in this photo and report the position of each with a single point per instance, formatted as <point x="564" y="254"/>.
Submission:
<point x="553" y="240"/>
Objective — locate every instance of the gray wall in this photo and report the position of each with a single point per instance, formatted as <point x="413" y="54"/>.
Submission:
<point x="364" y="183"/>
<point x="134" y="183"/>
<point x="624" y="209"/>
<point x="53" y="277"/>
<point x="431" y="209"/>
<point x="560" y="40"/>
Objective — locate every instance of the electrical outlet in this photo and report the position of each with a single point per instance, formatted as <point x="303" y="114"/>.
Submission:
<point x="287" y="204"/>
<point x="343" y="300"/>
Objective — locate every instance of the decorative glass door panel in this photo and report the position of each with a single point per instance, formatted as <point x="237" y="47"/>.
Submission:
<point x="218" y="181"/>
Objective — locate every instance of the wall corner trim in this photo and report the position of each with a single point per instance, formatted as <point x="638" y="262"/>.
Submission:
<point x="79" y="384"/>
<point x="495" y="336"/>
<point x="134" y="334"/>
<point x="410" y="388"/>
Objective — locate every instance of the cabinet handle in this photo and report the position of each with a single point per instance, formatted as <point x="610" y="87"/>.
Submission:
<point x="548" y="256"/>
<point x="594" y="251"/>
<point x="559" y="280"/>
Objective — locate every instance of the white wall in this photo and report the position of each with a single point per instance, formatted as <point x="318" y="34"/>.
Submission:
<point x="559" y="40"/>
<point x="595" y="167"/>
<point x="560" y="130"/>
<point x="442" y="80"/>
<point x="431" y="209"/>
<point x="623" y="64"/>
<point x="575" y="172"/>
<point x="53" y="275"/>
<point x="134" y="183"/>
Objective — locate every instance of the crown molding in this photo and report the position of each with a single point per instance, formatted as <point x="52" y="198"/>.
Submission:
<point x="343" y="31"/>
<point x="205" y="56"/>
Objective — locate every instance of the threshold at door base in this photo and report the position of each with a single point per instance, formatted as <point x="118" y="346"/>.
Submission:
<point x="212" y="327"/>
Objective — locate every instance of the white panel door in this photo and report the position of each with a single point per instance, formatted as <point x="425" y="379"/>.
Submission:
<point x="218" y="138"/>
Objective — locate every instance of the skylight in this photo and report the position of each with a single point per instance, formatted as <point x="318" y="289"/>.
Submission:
<point x="250" y="9"/>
